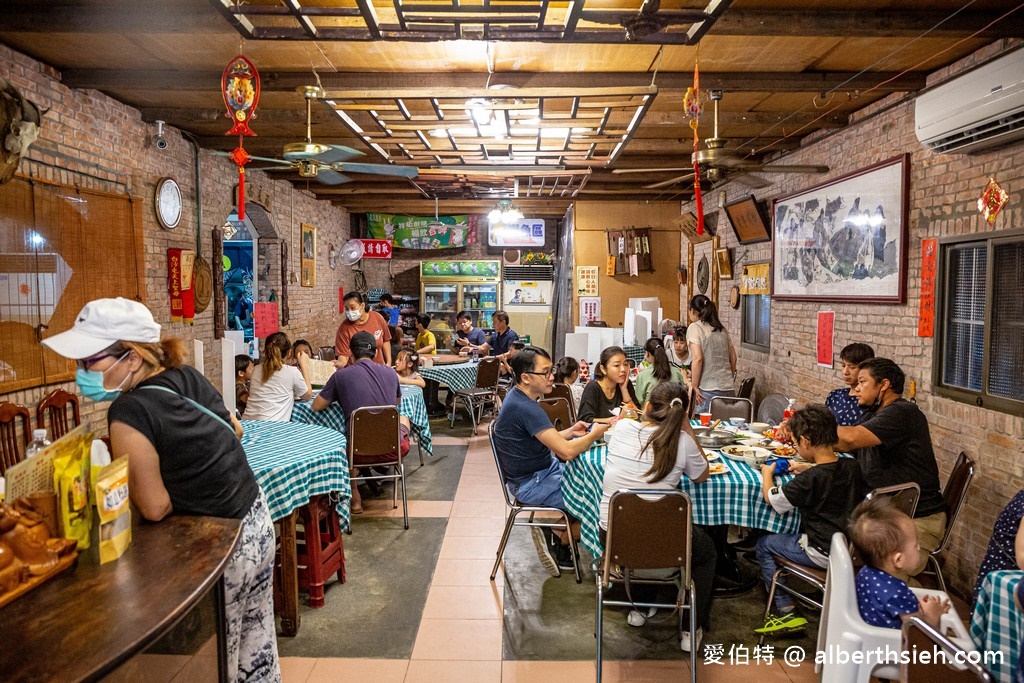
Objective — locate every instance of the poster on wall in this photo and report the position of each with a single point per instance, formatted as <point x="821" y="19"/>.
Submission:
<point x="264" y="319"/>
<point x="527" y="232"/>
<point x="308" y="256"/>
<point x="826" y="333"/>
<point x="586" y="281"/>
<point x="422" y="232"/>
<point x="590" y="309"/>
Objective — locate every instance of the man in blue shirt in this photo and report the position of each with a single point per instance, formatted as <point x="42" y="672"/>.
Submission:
<point x="467" y="337"/>
<point x="533" y="453"/>
<point x="501" y="339"/>
<point x="842" y="402"/>
<point x="390" y="309"/>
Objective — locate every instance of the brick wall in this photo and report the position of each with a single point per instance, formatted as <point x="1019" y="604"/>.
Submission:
<point x="96" y="142"/>
<point x="943" y="196"/>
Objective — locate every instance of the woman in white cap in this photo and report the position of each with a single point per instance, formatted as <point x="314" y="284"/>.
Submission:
<point x="184" y="457"/>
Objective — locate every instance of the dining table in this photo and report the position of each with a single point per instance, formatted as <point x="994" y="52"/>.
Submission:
<point x="454" y="371"/>
<point x="997" y="625"/>
<point x="293" y="462"/>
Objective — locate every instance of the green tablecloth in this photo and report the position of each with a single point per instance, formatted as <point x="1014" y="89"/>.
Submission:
<point x="997" y="625"/>
<point x="458" y="376"/>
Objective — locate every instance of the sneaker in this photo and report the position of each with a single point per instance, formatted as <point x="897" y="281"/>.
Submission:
<point x="562" y="554"/>
<point x="786" y="622"/>
<point x="638" y="618"/>
<point x="689" y="644"/>
<point x="542" y="541"/>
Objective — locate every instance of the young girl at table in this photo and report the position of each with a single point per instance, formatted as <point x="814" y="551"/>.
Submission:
<point x="407" y="365"/>
<point x="657" y="370"/>
<point x="655" y="454"/>
<point x="301" y="346"/>
<point x="611" y="387"/>
<point x="243" y="373"/>
<point x="275" y="385"/>
<point x="567" y="371"/>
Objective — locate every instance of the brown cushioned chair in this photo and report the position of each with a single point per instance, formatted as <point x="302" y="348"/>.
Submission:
<point x="375" y="440"/>
<point x="12" y="447"/>
<point x="56" y="407"/>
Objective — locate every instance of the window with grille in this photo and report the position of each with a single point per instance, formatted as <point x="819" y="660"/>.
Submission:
<point x="757" y="319"/>
<point x="979" y="343"/>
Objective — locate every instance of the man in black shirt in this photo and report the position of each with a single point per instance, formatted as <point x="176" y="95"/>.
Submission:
<point x="893" y="445"/>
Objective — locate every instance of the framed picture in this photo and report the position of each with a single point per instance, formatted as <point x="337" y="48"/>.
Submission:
<point x="845" y="240"/>
<point x="724" y="260"/>
<point x="748" y="222"/>
<point x="308" y="256"/>
<point x="687" y="223"/>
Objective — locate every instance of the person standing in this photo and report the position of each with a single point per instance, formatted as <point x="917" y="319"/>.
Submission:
<point x="359" y="319"/>
<point x="390" y="309"/>
<point x="712" y="355"/>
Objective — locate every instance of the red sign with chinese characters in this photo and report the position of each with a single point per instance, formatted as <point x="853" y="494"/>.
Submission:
<point x="264" y="319"/>
<point x="926" y="312"/>
<point x="376" y="248"/>
<point x="826" y="329"/>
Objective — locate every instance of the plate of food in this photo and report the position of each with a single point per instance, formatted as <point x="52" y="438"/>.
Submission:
<point x="752" y="455"/>
<point x="712" y="455"/>
<point x="784" y="451"/>
<point x="718" y="468"/>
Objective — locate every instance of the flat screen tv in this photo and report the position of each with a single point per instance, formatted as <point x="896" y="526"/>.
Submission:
<point x="748" y="221"/>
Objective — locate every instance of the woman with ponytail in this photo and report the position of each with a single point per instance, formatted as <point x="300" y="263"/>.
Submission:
<point x="276" y="385"/>
<point x="184" y="458"/>
<point x="712" y="355"/>
<point x="655" y="454"/>
<point x="658" y="369"/>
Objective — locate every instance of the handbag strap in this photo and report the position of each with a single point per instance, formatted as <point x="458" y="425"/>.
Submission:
<point x="198" y="405"/>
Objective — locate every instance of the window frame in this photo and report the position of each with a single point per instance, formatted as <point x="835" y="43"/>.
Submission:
<point x="749" y="345"/>
<point x="981" y="398"/>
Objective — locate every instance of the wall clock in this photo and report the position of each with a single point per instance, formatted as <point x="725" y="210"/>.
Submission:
<point x="703" y="274"/>
<point x="734" y="297"/>
<point x="167" y="201"/>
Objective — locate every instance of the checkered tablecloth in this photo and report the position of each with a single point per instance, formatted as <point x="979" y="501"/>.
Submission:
<point x="997" y="624"/>
<point x="294" y="462"/>
<point x="411" y="405"/>
<point x="458" y="376"/>
<point x="731" y="498"/>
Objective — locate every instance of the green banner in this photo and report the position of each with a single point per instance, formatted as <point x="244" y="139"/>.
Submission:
<point x="419" y="232"/>
<point x="460" y="268"/>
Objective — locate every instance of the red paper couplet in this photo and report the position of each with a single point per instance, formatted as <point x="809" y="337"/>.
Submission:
<point x="926" y="311"/>
<point x="183" y="303"/>
<point x="826" y="328"/>
<point x="264" y="319"/>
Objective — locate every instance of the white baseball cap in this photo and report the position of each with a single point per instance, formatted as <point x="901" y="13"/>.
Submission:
<point x="103" y="322"/>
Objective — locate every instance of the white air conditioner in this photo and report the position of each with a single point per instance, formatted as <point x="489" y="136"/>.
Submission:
<point x="977" y="110"/>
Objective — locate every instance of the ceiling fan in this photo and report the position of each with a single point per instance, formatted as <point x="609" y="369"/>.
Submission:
<point x="326" y="163"/>
<point x="717" y="163"/>
<point x="639" y="25"/>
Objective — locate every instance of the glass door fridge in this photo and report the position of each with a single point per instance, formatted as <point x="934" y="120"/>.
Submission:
<point x="447" y="287"/>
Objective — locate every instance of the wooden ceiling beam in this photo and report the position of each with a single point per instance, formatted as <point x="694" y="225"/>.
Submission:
<point x="868" y="23"/>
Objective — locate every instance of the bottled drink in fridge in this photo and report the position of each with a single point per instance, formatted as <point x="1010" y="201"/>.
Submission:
<point x="39" y="442"/>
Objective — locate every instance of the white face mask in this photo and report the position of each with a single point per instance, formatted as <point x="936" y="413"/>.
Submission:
<point x="353" y="315"/>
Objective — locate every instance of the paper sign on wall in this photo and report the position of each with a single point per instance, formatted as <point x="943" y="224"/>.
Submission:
<point x="586" y="280"/>
<point x="265" y="319"/>
<point x="826" y="332"/>
<point x="590" y="309"/>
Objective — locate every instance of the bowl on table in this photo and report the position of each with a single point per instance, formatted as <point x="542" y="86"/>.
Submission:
<point x="752" y="455"/>
<point x="738" y="422"/>
<point x="713" y="438"/>
<point x="758" y="427"/>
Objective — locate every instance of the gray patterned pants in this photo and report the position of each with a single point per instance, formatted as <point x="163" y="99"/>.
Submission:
<point x="249" y="600"/>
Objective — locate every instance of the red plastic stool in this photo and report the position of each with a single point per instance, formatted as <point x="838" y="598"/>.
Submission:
<point x="319" y="548"/>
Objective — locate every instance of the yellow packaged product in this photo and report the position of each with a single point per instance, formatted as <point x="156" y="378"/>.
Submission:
<point x="71" y="481"/>
<point x="111" y="489"/>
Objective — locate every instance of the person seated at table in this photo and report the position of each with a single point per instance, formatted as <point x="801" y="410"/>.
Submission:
<point x="885" y="538"/>
<point x="466" y="337"/>
<point x="300" y="346"/>
<point x="390" y="309"/>
<point x="676" y="348"/>
<point x="243" y="373"/>
<point x="843" y="401"/>
<point x="655" y="454"/>
<point x="359" y="319"/>
<point x="407" y="365"/>
<point x="185" y="458"/>
<point x="824" y="495"/>
<point x="425" y="341"/>
<point x="567" y="371"/>
<point x="658" y="370"/>
<point x="276" y="385"/>
<point x="364" y="383"/>
<point x="533" y="453"/>
<point x="397" y="337"/>
<point x="893" y="445"/>
<point x="611" y="387"/>
<point x="500" y="341"/>
<point x="1006" y="546"/>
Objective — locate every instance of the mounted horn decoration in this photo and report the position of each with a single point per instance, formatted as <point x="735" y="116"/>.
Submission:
<point x="19" y="128"/>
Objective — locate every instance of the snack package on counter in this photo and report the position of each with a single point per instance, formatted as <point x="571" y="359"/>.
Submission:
<point x="98" y="459"/>
<point x="71" y="481"/>
<point x="111" y="488"/>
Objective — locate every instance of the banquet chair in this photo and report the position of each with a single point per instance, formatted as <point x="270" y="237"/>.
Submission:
<point x="564" y="391"/>
<point x="746" y="389"/>
<point x="481" y="394"/>
<point x="648" y="529"/>
<point x="724" y="407"/>
<point x="56" y="406"/>
<point x="954" y="493"/>
<point x="12" y="448"/>
<point x="558" y="412"/>
<point x="515" y="507"/>
<point x="842" y="631"/>
<point x="919" y="636"/>
<point x="903" y="496"/>
<point x="374" y="433"/>
<point x="326" y="353"/>
<point x="772" y="408"/>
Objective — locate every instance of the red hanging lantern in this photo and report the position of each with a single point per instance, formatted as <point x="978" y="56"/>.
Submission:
<point x="240" y="86"/>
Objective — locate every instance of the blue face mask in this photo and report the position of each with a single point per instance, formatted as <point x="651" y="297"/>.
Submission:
<point x="90" y="383"/>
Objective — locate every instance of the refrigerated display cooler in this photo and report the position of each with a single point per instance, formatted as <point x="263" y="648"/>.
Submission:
<point x="447" y="287"/>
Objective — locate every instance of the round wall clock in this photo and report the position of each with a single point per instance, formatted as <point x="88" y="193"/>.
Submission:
<point x="734" y="297"/>
<point x="703" y="275"/>
<point x="167" y="201"/>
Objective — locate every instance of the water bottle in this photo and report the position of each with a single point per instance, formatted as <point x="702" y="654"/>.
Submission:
<point x="476" y="354"/>
<point x="39" y="442"/>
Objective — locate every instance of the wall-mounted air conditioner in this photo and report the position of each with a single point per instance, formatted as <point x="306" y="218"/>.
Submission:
<point x="978" y="110"/>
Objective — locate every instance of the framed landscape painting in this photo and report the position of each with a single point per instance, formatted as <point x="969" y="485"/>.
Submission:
<point x="845" y="240"/>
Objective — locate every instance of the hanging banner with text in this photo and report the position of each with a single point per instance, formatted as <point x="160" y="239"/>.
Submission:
<point x="826" y="336"/>
<point x="423" y="232"/>
<point x="926" y="312"/>
<point x="179" y="285"/>
<point x="755" y="279"/>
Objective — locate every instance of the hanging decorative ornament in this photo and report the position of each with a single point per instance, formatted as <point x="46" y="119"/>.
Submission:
<point x="240" y="86"/>
<point x="693" y="104"/>
<point x="992" y="200"/>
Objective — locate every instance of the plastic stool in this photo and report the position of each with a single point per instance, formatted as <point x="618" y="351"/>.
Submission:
<point x="320" y="550"/>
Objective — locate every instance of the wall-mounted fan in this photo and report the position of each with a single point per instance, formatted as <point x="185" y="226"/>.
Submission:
<point x="326" y="163"/>
<point x="351" y="252"/>
<point x="717" y="163"/>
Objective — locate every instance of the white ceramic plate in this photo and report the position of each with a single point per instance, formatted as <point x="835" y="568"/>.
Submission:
<point x="719" y="468"/>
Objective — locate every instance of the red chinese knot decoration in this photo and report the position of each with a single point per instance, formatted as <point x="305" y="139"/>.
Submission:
<point x="992" y="200"/>
<point x="240" y="86"/>
<point x="693" y="104"/>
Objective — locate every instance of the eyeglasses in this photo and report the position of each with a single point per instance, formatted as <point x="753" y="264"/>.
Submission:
<point x="88" y="362"/>
<point x="549" y="373"/>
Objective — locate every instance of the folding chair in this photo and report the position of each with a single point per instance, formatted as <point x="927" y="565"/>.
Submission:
<point x="374" y="432"/>
<point x="724" y="407"/>
<point x="746" y="389"/>
<point x="515" y="507"/>
<point x="955" y="493"/>
<point x="648" y="529"/>
<point x="12" y="449"/>
<point x="920" y="637"/>
<point x="484" y="392"/>
<point x="558" y="412"/>
<point x="56" y="406"/>
<point x="903" y="496"/>
<point x="564" y="391"/>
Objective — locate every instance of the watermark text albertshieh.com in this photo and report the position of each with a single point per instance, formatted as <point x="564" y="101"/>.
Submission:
<point x="795" y="656"/>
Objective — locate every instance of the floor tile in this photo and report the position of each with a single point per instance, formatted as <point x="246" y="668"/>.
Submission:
<point x="479" y="479"/>
<point x="198" y="669"/>
<point x="647" y="670"/>
<point x="473" y="526"/>
<point x="480" y="469"/>
<point x="761" y="672"/>
<point x="296" y="669"/>
<point x="151" y="668"/>
<point x="469" y="548"/>
<point x="546" y="672"/>
<point x="479" y="509"/>
<point x="803" y="673"/>
<point x="330" y="670"/>
<point x="451" y="572"/>
<point x="429" y="671"/>
<point x="428" y="508"/>
<point x="479" y="493"/>
<point x="457" y="639"/>
<point x="463" y="602"/>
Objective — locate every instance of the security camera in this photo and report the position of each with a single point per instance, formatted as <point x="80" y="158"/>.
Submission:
<point x="159" y="140"/>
